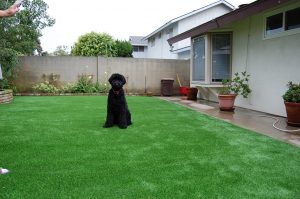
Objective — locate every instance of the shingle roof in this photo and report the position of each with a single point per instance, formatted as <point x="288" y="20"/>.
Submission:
<point x="137" y="41"/>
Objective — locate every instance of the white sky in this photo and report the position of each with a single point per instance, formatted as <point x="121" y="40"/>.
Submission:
<point x="119" y="18"/>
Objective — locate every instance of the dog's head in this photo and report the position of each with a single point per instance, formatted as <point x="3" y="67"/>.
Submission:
<point x="117" y="81"/>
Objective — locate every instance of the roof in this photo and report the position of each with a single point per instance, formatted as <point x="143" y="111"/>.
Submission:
<point x="188" y="15"/>
<point x="137" y="41"/>
<point x="220" y="22"/>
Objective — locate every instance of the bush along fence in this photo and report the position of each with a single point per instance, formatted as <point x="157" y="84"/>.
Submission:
<point x="83" y="85"/>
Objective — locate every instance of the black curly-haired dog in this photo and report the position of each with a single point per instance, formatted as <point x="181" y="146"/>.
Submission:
<point x="117" y="109"/>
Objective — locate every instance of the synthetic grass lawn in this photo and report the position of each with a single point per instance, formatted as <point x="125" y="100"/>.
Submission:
<point x="56" y="147"/>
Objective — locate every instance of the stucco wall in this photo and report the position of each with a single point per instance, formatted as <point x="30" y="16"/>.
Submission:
<point x="142" y="74"/>
<point x="271" y="62"/>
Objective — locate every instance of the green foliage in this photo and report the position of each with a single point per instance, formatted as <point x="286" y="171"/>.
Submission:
<point x="45" y="87"/>
<point x="124" y="48"/>
<point x="61" y="51"/>
<point x="19" y="35"/>
<point x="293" y="93"/>
<point x="83" y="85"/>
<point x="239" y="85"/>
<point x="95" y="44"/>
<point x="8" y="61"/>
<point x="22" y="31"/>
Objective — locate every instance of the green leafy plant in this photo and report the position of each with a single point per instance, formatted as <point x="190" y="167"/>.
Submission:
<point x="239" y="85"/>
<point x="293" y="93"/>
<point x="84" y="84"/>
<point x="45" y="87"/>
<point x="95" y="44"/>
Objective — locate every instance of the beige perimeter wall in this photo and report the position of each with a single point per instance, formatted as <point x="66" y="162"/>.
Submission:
<point x="143" y="75"/>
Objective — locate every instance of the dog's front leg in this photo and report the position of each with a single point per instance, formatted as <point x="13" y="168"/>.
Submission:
<point x="122" y="123"/>
<point x="109" y="118"/>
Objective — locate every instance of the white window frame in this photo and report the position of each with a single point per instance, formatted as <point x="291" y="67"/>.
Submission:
<point x="284" y="32"/>
<point x="208" y="60"/>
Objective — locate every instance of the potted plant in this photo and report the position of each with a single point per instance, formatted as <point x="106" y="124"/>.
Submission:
<point x="292" y="104"/>
<point x="239" y="85"/>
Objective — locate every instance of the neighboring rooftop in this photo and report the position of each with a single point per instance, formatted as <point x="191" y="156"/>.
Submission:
<point x="137" y="41"/>
<point x="188" y="15"/>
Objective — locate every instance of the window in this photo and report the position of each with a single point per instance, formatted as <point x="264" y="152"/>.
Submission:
<point x="274" y="24"/>
<point x="292" y="19"/>
<point x="198" y="71"/>
<point x="221" y="57"/>
<point x="211" y="58"/>
<point x="283" y="22"/>
<point x="138" y="48"/>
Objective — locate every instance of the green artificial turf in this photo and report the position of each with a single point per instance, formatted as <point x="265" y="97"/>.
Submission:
<point x="56" y="148"/>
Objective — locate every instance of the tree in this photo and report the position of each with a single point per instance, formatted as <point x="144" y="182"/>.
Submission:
<point x="124" y="48"/>
<point x="95" y="44"/>
<point x="61" y="51"/>
<point x="19" y="35"/>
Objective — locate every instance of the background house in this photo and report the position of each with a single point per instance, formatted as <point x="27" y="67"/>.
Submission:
<point x="262" y="38"/>
<point x="139" y="46"/>
<point x="158" y="46"/>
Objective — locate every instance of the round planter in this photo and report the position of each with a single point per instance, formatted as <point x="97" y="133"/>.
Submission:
<point x="293" y="113"/>
<point x="192" y="93"/>
<point x="226" y="102"/>
<point x="6" y="96"/>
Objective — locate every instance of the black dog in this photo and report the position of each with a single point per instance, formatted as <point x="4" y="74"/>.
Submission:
<point x="117" y="109"/>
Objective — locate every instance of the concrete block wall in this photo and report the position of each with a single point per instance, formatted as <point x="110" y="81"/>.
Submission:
<point x="143" y="75"/>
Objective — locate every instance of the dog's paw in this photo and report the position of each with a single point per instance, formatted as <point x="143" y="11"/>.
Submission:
<point x="107" y="126"/>
<point x="123" y="127"/>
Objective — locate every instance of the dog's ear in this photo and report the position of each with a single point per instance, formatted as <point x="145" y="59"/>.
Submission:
<point x="122" y="78"/>
<point x="112" y="77"/>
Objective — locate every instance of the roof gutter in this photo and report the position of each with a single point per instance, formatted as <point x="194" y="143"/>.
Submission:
<point x="220" y="22"/>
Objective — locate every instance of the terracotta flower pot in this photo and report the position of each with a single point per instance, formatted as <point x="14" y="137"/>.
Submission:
<point x="293" y="113"/>
<point x="226" y="102"/>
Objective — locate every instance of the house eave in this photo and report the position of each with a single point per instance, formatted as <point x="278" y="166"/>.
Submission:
<point x="220" y="22"/>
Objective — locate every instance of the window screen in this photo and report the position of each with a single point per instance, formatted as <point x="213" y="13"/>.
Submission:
<point x="221" y="57"/>
<point x="198" y="59"/>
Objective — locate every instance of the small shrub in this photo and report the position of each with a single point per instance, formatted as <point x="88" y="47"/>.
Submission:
<point x="84" y="85"/>
<point x="45" y="87"/>
<point x="68" y="88"/>
<point x="293" y="93"/>
<point x="239" y="85"/>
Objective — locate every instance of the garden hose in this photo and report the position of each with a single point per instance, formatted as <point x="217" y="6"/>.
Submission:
<point x="277" y="120"/>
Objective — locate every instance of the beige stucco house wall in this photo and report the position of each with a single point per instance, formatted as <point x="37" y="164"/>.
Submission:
<point x="271" y="61"/>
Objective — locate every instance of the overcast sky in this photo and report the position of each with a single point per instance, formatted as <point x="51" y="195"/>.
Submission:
<point x="119" y="18"/>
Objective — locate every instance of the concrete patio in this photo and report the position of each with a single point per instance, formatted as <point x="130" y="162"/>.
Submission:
<point x="253" y="120"/>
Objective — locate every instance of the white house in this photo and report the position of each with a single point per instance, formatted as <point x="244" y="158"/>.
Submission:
<point x="261" y="38"/>
<point x="158" y="46"/>
<point x="139" y="46"/>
